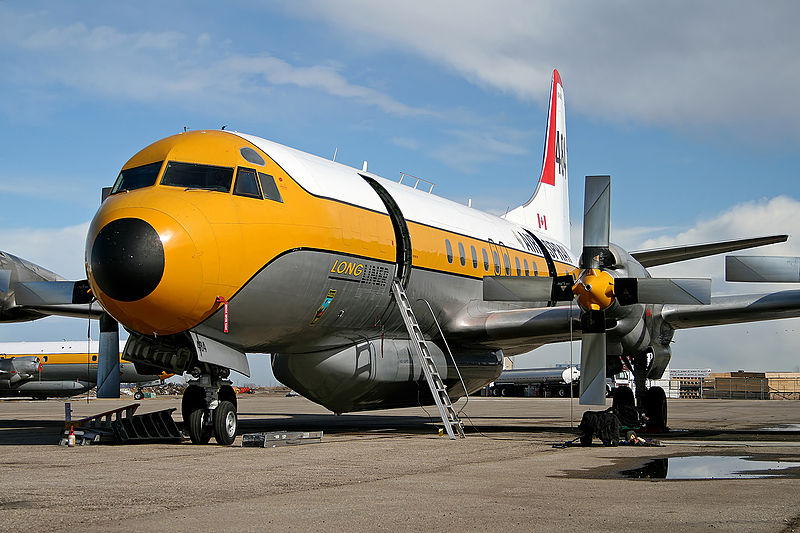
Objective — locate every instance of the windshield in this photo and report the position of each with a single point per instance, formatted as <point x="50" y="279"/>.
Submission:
<point x="137" y="177"/>
<point x="194" y="176"/>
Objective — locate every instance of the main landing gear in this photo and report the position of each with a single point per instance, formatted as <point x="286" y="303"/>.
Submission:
<point x="209" y="407"/>
<point x="652" y="402"/>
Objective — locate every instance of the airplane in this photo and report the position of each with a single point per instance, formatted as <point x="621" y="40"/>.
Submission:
<point x="60" y="369"/>
<point x="212" y="244"/>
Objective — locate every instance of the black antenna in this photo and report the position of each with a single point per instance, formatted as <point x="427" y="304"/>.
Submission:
<point x="223" y="127"/>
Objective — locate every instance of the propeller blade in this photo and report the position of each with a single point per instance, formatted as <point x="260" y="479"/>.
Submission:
<point x="517" y="289"/>
<point x="108" y="358"/>
<point x="528" y="288"/>
<point x="762" y="269"/>
<point x="596" y="220"/>
<point x="685" y="291"/>
<point x="593" y="358"/>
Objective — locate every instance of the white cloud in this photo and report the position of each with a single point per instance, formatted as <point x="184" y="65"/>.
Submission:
<point x="162" y="67"/>
<point x="60" y="250"/>
<point x="469" y="148"/>
<point x="774" y="216"/>
<point x="684" y="63"/>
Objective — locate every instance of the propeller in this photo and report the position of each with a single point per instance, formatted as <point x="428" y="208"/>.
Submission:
<point x="596" y="289"/>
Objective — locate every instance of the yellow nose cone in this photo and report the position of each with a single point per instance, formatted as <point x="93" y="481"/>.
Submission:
<point x="594" y="290"/>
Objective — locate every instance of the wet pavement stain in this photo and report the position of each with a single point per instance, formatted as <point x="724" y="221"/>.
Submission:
<point x="714" y="467"/>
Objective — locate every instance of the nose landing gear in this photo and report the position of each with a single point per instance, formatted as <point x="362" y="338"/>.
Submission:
<point x="209" y="407"/>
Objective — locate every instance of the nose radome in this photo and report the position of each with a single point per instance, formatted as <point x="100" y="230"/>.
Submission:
<point x="127" y="259"/>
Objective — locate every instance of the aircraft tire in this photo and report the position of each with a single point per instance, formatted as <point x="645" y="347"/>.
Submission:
<point x="225" y="423"/>
<point x="655" y="407"/>
<point x="138" y="395"/>
<point x="562" y="392"/>
<point x="199" y="431"/>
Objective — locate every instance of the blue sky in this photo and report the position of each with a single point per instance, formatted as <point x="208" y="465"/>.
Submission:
<point x="690" y="108"/>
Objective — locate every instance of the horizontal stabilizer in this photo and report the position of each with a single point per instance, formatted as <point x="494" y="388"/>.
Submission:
<point x="681" y="291"/>
<point x="762" y="269"/>
<point x="665" y="256"/>
<point x="517" y="289"/>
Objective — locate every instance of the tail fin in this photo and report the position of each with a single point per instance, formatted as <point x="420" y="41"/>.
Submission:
<point x="548" y="209"/>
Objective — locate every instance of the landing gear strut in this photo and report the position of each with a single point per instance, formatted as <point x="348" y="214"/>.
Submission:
<point x="209" y="407"/>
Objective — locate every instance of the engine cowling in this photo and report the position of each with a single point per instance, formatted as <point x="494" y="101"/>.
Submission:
<point x="638" y="328"/>
<point x="16" y="370"/>
<point x="381" y="374"/>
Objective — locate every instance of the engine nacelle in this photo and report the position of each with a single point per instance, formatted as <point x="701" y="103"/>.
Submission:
<point x="380" y="374"/>
<point x="16" y="370"/>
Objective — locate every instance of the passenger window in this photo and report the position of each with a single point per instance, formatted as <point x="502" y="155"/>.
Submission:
<point x="449" y="250"/>
<point x="269" y="188"/>
<point x="485" y="260"/>
<point x="535" y="268"/>
<point x="461" y="255"/>
<point x="519" y="270"/>
<point x="45" y="358"/>
<point x="527" y="271"/>
<point x="507" y="264"/>
<point x="496" y="263"/>
<point x="474" y="257"/>
<point x="246" y="183"/>
<point x="94" y="358"/>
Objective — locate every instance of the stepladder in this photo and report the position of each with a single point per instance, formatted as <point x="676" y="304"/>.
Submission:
<point x="419" y="347"/>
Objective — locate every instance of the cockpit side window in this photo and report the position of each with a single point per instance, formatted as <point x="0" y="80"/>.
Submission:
<point x="137" y="177"/>
<point x="195" y="176"/>
<point x="246" y="183"/>
<point x="268" y="186"/>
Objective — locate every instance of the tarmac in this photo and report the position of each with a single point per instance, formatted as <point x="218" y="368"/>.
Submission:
<point x="389" y="470"/>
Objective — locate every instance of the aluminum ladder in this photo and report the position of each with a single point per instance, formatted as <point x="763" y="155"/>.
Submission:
<point x="449" y="416"/>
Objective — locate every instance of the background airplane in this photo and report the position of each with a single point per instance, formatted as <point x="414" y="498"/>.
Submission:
<point x="60" y="368"/>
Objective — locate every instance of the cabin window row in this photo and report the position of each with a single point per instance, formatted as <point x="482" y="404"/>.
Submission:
<point x="522" y="268"/>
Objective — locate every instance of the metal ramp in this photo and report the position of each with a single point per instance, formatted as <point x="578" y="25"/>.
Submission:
<point x="449" y="416"/>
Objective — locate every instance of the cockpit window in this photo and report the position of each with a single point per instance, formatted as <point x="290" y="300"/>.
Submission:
<point x="137" y="177"/>
<point x="194" y="176"/>
<point x="268" y="186"/>
<point x="246" y="183"/>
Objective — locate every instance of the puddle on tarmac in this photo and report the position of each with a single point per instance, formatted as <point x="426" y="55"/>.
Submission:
<point x="713" y="467"/>
<point x="783" y="427"/>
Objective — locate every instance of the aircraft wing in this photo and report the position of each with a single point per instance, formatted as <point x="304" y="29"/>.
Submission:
<point x="734" y="310"/>
<point x="665" y="256"/>
<point x="28" y="292"/>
